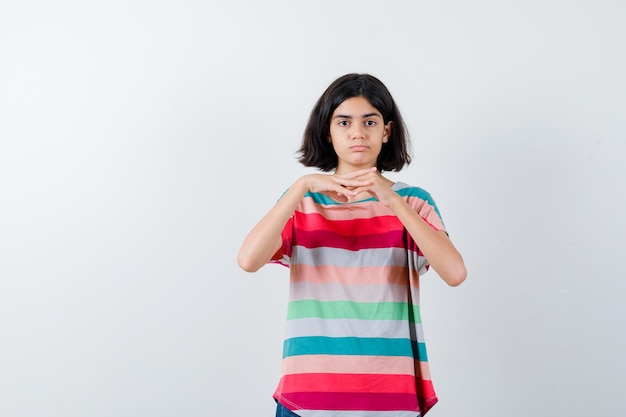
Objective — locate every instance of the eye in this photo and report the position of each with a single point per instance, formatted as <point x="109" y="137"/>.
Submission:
<point x="370" y="123"/>
<point x="343" y="123"/>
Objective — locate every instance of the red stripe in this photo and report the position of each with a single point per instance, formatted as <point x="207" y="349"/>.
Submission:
<point x="327" y="382"/>
<point x="425" y="388"/>
<point x="350" y="401"/>
<point x="317" y="239"/>
<point x="354" y="227"/>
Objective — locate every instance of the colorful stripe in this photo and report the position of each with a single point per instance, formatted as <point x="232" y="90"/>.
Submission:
<point x="348" y="364"/>
<point x="347" y="258"/>
<point x="393" y="329"/>
<point x="320" y="345"/>
<point x="347" y="310"/>
<point x="355" y="401"/>
<point x="337" y="382"/>
<point x="333" y="291"/>
<point x="332" y="239"/>
<point x="315" y="222"/>
<point x="360" y="413"/>
<point x="359" y="275"/>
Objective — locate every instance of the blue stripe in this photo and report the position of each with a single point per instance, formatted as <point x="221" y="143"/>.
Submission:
<point x="320" y="345"/>
<point x="401" y="188"/>
<point x="420" y="348"/>
<point x="324" y="199"/>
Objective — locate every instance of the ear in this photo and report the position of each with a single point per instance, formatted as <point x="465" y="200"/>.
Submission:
<point x="387" y="132"/>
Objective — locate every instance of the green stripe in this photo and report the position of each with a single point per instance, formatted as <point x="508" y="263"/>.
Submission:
<point x="352" y="310"/>
<point x="415" y="315"/>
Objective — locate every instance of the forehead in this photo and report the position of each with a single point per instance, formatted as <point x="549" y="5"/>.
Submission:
<point x="356" y="106"/>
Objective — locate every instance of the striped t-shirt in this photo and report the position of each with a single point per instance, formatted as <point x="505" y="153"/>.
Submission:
<point x="354" y="344"/>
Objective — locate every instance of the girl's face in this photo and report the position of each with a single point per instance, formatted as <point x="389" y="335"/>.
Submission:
<point x="357" y="132"/>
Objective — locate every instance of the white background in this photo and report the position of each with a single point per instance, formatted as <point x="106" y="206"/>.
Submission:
<point x="141" y="140"/>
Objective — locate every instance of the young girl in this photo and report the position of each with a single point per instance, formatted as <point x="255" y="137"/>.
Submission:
<point x="356" y="244"/>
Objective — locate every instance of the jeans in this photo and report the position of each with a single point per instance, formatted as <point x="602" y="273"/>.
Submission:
<point x="281" y="411"/>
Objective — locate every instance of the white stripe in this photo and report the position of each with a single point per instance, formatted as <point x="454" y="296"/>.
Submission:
<point x="391" y="329"/>
<point x="361" y="293"/>
<point x="348" y="258"/>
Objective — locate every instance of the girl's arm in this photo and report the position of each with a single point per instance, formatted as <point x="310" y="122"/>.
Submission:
<point x="265" y="238"/>
<point x="434" y="244"/>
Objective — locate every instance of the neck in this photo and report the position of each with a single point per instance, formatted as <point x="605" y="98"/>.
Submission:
<point x="342" y="170"/>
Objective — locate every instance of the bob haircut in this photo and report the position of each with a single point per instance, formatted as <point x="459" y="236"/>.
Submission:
<point x="317" y="151"/>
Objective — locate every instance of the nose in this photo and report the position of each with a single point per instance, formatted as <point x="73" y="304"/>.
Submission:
<point x="357" y="131"/>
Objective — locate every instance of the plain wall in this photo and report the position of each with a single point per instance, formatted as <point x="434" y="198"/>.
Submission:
<point x="140" y="141"/>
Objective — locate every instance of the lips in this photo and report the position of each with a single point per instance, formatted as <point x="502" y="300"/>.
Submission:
<point x="358" y="148"/>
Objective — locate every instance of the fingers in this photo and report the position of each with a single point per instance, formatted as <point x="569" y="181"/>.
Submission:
<point x="321" y="183"/>
<point x="375" y="185"/>
<point x="347" y="186"/>
<point x="359" y="178"/>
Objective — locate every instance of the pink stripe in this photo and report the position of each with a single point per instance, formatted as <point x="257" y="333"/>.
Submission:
<point x="348" y="364"/>
<point x="372" y="209"/>
<point x="423" y="370"/>
<point x="351" y="275"/>
<point x="335" y="291"/>
<point x="339" y="212"/>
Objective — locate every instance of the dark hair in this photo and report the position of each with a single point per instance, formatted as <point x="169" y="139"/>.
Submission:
<point x="317" y="151"/>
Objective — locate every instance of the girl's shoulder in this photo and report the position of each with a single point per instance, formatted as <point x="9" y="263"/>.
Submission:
<point x="414" y="193"/>
<point x="405" y="189"/>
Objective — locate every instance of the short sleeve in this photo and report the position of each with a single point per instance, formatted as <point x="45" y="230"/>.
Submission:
<point x="283" y="254"/>
<point x="424" y="204"/>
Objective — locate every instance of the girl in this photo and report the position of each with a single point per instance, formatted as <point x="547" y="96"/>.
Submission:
<point x="356" y="244"/>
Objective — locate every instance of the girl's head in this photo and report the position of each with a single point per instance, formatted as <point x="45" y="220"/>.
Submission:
<point x="317" y="150"/>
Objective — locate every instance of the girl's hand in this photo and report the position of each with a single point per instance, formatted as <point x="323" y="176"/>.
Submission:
<point x="376" y="185"/>
<point x="342" y="187"/>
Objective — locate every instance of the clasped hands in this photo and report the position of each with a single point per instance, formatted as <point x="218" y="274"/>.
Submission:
<point x="352" y="186"/>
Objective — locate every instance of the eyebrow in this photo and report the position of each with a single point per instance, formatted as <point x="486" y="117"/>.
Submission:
<point x="365" y="116"/>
